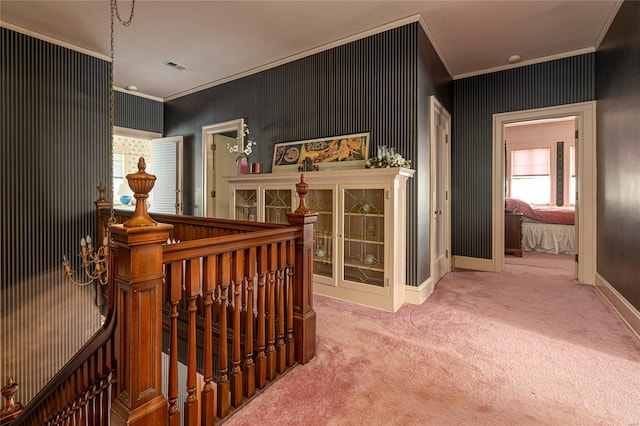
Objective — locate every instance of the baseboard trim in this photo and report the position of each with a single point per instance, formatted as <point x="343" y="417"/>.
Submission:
<point x="626" y="310"/>
<point x="474" y="263"/>
<point x="417" y="295"/>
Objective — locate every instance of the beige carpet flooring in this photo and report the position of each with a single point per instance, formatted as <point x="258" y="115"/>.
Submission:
<point x="529" y="346"/>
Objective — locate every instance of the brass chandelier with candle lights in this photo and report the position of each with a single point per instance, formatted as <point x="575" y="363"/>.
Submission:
<point x="95" y="261"/>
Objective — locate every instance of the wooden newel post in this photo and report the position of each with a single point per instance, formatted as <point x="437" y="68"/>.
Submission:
<point x="10" y="409"/>
<point x="304" y="317"/>
<point x="137" y="250"/>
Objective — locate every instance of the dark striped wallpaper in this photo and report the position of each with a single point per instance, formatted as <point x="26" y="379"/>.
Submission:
<point x="618" y="152"/>
<point x="136" y="112"/>
<point x="369" y="85"/>
<point x="476" y="99"/>
<point x="55" y="146"/>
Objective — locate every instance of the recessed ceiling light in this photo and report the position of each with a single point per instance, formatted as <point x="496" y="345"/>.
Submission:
<point x="514" y="59"/>
<point x="131" y="88"/>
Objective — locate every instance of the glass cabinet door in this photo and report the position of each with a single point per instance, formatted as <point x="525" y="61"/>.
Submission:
<point x="321" y="201"/>
<point x="246" y="206"/>
<point x="363" y="231"/>
<point x="277" y="202"/>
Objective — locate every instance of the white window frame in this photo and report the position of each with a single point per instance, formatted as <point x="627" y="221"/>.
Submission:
<point x="567" y="171"/>
<point x="552" y="165"/>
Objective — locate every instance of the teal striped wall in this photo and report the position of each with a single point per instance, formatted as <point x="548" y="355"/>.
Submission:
<point x="476" y="99"/>
<point x="55" y="150"/>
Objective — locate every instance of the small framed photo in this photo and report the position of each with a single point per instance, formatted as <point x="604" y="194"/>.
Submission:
<point x="349" y="151"/>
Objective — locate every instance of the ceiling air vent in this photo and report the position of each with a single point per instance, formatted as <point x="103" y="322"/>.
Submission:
<point x="175" y="65"/>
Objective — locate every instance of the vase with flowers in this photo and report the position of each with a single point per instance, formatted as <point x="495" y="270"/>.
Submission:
<point x="242" y="155"/>
<point x="387" y="157"/>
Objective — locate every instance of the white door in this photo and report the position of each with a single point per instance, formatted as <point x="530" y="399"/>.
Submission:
<point x="217" y="163"/>
<point x="166" y="196"/>
<point x="574" y="187"/>
<point x="223" y="163"/>
<point x="440" y="124"/>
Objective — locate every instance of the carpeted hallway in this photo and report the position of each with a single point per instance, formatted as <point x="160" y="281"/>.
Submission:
<point x="530" y="346"/>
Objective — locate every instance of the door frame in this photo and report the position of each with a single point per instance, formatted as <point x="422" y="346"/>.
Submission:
<point x="436" y="106"/>
<point x="211" y="129"/>
<point x="585" y="113"/>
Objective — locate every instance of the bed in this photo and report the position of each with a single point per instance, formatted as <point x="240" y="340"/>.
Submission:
<point x="545" y="229"/>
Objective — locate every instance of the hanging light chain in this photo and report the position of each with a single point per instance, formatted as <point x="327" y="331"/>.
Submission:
<point x="114" y="13"/>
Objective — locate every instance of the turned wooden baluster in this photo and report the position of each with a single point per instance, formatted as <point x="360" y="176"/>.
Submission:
<point x="224" y="403"/>
<point x="291" y="349"/>
<point x="249" y="374"/>
<point x="271" y="311"/>
<point x="261" y="358"/>
<point x="236" y="354"/>
<point x="192" y="287"/>
<point x="209" y="284"/>
<point x="174" y="295"/>
<point x="281" y="355"/>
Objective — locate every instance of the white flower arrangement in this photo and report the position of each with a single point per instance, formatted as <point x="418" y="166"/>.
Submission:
<point x="394" y="160"/>
<point x="248" y="148"/>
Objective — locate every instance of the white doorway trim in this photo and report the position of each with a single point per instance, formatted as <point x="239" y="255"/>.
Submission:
<point x="585" y="114"/>
<point x="227" y="126"/>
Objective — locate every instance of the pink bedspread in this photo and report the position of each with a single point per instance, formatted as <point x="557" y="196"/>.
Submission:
<point x="562" y="216"/>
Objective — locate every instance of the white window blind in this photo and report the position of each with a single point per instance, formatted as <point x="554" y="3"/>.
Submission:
<point x="531" y="162"/>
<point x="165" y="167"/>
<point x="531" y="175"/>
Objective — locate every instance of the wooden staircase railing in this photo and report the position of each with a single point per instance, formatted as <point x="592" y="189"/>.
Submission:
<point x="248" y="284"/>
<point x="82" y="391"/>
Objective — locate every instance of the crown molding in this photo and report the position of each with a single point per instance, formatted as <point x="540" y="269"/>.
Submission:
<point x="525" y="63"/>
<point x="327" y="46"/>
<point x="605" y="28"/>
<point x="142" y="95"/>
<point x="432" y="39"/>
<point x="53" y="40"/>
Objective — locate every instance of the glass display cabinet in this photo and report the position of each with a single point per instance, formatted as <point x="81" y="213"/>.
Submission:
<point x="363" y="232"/>
<point x="321" y="201"/>
<point x="359" y="247"/>
<point x="277" y="202"/>
<point x="245" y="205"/>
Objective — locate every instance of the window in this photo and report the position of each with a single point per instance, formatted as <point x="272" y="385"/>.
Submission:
<point x="163" y="157"/>
<point x="572" y="175"/>
<point x="531" y="175"/>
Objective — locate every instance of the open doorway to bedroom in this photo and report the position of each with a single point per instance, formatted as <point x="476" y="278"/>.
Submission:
<point x="533" y="174"/>
<point x="540" y="190"/>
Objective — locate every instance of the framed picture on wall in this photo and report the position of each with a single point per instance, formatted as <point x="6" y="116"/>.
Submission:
<point x="348" y="151"/>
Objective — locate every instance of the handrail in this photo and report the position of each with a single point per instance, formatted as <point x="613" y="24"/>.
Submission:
<point x="209" y="222"/>
<point x="256" y="278"/>
<point x="194" y="248"/>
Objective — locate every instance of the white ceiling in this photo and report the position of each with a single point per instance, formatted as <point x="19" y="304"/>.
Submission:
<point x="221" y="40"/>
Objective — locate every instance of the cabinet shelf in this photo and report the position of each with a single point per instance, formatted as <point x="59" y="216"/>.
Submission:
<point x="360" y="228"/>
<point x="357" y="214"/>
<point x="357" y="263"/>
<point x="359" y="239"/>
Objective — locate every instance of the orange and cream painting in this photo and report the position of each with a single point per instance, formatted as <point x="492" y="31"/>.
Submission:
<point x="338" y="151"/>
